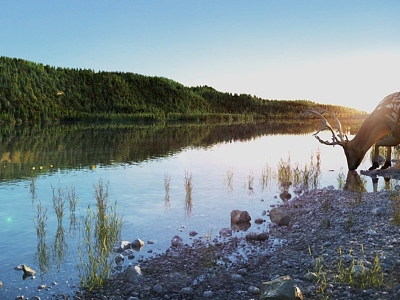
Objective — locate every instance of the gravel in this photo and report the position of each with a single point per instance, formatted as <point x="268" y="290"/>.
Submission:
<point x="322" y="222"/>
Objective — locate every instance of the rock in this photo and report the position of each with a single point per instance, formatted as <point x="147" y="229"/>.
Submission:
<point x="240" y="216"/>
<point x="119" y="259"/>
<point x="133" y="274"/>
<point x="41" y="287"/>
<point x="258" y="221"/>
<point x="253" y="236"/>
<point x="285" y="196"/>
<point x="137" y="244"/>
<point x="176" y="241"/>
<point x="281" y="288"/>
<point x="359" y="271"/>
<point x="225" y="232"/>
<point x="28" y="271"/>
<point x="121" y="246"/>
<point x="253" y="290"/>
<point x="158" y="288"/>
<point x="325" y="222"/>
<point x="193" y="233"/>
<point x="279" y="216"/>
<point x="186" y="290"/>
<point x="150" y="242"/>
<point x="379" y="211"/>
<point x="207" y="294"/>
<point x="237" y="277"/>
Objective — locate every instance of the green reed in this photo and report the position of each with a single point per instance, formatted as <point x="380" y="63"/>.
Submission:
<point x="266" y="176"/>
<point x="101" y="229"/>
<point x="58" y="203"/>
<point x="308" y="176"/>
<point x="42" y="255"/>
<point x="354" y="274"/>
<point x="208" y="252"/>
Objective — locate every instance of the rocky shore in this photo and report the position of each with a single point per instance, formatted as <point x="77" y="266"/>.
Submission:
<point x="329" y="232"/>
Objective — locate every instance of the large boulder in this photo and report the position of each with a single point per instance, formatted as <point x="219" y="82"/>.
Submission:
<point x="281" y="288"/>
<point x="240" y="216"/>
<point x="279" y="216"/>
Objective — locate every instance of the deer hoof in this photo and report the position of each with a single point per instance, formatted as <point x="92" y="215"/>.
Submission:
<point x="375" y="165"/>
<point x="386" y="165"/>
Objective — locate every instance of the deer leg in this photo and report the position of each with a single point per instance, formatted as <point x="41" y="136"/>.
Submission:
<point x="388" y="142"/>
<point x="388" y="162"/>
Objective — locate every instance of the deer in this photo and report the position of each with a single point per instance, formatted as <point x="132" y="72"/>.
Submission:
<point x="382" y="121"/>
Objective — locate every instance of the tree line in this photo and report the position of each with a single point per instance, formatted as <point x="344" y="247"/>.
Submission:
<point x="36" y="93"/>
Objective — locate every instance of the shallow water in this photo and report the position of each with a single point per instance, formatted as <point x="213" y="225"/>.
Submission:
<point x="225" y="163"/>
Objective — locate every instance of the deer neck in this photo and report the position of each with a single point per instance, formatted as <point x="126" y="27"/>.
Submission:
<point x="373" y="128"/>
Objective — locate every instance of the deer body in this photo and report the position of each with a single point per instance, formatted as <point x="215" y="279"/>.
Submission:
<point x="385" y="119"/>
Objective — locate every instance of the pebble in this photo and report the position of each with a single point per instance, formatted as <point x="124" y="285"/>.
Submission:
<point x="232" y="267"/>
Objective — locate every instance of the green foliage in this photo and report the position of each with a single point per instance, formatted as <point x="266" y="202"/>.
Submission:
<point x="34" y="93"/>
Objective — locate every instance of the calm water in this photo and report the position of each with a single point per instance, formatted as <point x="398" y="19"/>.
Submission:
<point x="222" y="160"/>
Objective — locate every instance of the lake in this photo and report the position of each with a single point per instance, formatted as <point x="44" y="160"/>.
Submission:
<point x="147" y="169"/>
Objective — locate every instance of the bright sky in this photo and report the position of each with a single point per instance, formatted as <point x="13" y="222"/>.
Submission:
<point x="343" y="52"/>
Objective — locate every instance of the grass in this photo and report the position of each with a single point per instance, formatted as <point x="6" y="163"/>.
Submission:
<point x="208" y="252"/>
<point x="307" y="176"/>
<point x="42" y="255"/>
<point x="357" y="274"/>
<point x="266" y="176"/>
<point x="101" y="229"/>
<point x="58" y="203"/>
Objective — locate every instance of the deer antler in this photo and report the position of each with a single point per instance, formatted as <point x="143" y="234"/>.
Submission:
<point x="336" y="139"/>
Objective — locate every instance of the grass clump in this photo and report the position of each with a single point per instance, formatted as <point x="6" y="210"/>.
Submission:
<point x="358" y="273"/>
<point x="101" y="230"/>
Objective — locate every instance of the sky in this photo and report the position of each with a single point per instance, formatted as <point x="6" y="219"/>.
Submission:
<point x="343" y="52"/>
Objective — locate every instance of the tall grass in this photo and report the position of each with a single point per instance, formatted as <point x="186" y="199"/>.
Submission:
<point x="101" y="229"/>
<point x="42" y="255"/>
<point x="308" y="176"/>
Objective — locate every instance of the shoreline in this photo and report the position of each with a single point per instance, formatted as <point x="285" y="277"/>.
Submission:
<point x="326" y="226"/>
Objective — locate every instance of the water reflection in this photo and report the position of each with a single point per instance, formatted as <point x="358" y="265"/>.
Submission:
<point x="188" y="188"/>
<point x="354" y="182"/>
<point x="167" y="200"/>
<point x="29" y="151"/>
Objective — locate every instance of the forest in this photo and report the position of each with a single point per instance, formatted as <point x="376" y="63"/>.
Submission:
<point x="32" y="93"/>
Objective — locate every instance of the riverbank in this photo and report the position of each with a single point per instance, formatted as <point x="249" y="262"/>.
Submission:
<point x="328" y="229"/>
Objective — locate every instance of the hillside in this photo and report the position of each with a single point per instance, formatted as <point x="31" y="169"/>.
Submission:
<point x="33" y="93"/>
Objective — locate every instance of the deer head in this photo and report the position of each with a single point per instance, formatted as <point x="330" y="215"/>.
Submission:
<point x="354" y="155"/>
<point x="383" y="120"/>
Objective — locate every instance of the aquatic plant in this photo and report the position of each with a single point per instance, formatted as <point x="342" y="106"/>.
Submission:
<point x="42" y="254"/>
<point x="101" y="229"/>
